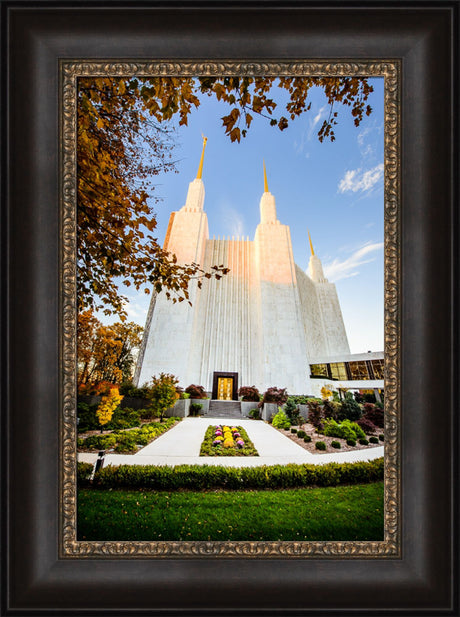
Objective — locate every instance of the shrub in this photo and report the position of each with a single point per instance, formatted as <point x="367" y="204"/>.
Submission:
<point x="255" y="414"/>
<point x="369" y="397"/>
<point x="373" y="440"/>
<point x="344" y="430"/>
<point x="195" y="391"/>
<point x="274" y="395"/>
<point x="374" y="414"/>
<point x="298" y="399"/>
<point x="204" y="477"/>
<point x="307" y="439"/>
<point x="292" y="412"/>
<point x="330" y="409"/>
<point x="195" y="409"/>
<point x="349" y="410"/>
<point x="124" y="418"/>
<point x="99" y="442"/>
<point x="87" y="419"/>
<point x="281" y="420"/>
<point x="249" y="393"/>
<point x="301" y="434"/>
<point x="336" y="444"/>
<point x="364" y="442"/>
<point x="293" y="430"/>
<point x="163" y="393"/>
<point x="315" y="414"/>
<point x="127" y="441"/>
<point x="84" y="471"/>
<point x="109" y="402"/>
<point x="351" y="442"/>
<point x="381" y="437"/>
<point x="320" y="445"/>
<point x="127" y="389"/>
<point x="367" y="426"/>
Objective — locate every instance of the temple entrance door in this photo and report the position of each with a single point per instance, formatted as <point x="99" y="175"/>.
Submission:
<point x="224" y="388"/>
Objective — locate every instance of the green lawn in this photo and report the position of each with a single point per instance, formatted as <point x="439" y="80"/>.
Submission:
<point x="332" y="513"/>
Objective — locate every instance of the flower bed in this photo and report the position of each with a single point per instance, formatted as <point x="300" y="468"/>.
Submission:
<point x="223" y="440"/>
<point x="129" y="441"/>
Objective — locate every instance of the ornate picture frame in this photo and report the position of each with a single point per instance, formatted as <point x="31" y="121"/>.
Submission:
<point x="412" y="568"/>
<point x="390" y="72"/>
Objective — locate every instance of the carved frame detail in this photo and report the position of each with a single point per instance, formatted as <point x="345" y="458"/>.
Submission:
<point x="390" y="547"/>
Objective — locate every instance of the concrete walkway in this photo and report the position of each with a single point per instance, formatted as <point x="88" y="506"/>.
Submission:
<point x="181" y="446"/>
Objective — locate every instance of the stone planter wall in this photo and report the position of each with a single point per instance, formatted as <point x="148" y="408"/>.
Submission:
<point x="180" y="408"/>
<point x="204" y="402"/>
<point x="303" y="411"/>
<point x="246" y="407"/>
<point x="269" y="410"/>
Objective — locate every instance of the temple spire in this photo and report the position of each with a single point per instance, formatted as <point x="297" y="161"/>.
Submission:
<point x="265" y="180"/>
<point x="200" y="168"/>
<point x="311" y="245"/>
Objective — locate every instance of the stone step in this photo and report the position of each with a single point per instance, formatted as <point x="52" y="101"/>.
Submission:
<point x="224" y="409"/>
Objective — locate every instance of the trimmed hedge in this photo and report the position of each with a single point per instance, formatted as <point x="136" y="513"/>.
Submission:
<point x="203" y="477"/>
<point x="84" y="470"/>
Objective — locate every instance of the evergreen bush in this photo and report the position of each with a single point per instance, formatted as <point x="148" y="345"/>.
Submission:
<point x="381" y="437"/>
<point x="124" y="418"/>
<point x="364" y="442"/>
<point x="292" y="411"/>
<point x="87" y="419"/>
<point x="307" y="439"/>
<point x="195" y="409"/>
<point x="336" y="444"/>
<point x="320" y="445"/>
<point x="281" y="420"/>
<point x="351" y="442"/>
<point x="349" y="410"/>
<point x="293" y="430"/>
<point x="373" y="440"/>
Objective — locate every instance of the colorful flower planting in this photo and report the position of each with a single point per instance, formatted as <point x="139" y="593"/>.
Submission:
<point x="223" y="440"/>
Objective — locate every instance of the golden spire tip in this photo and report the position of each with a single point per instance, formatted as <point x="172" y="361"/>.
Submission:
<point x="265" y="179"/>
<point x="200" y="167"/>
<point x="311" y="245"/>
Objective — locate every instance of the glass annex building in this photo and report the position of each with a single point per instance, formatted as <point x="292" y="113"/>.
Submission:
<point x="350" y="372"/>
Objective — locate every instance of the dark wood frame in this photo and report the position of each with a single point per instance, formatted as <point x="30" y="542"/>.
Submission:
<point x="425" y="37"/>
<point x="215" y="380"/>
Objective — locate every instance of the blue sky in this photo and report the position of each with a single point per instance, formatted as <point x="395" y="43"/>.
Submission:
<point x="334" y="190"/>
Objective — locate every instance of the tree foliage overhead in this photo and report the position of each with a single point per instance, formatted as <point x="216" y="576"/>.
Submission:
<point x="105" y="353"/>
<point x="125" y="140"/>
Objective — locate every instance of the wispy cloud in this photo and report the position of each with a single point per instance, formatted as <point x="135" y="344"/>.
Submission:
<point x="358" y="180"/>
<point x="315" y="121"/>
<point x="348" y="267"/>
<point x="233" y="221"/>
